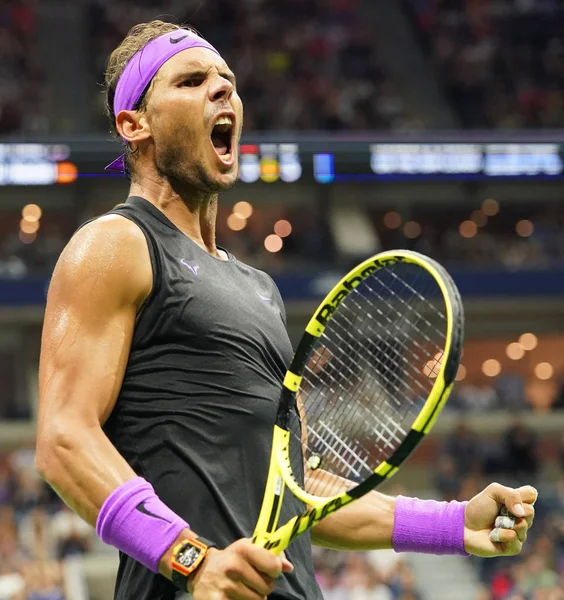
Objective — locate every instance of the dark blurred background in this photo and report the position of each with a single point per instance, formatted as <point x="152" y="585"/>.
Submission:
<point x="434" y="125"/>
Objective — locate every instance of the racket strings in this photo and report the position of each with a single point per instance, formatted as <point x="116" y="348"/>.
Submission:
<point x="385" y="367"/>
<point x="369" y="374"/>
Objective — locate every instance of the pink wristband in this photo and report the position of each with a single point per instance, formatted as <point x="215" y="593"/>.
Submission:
<point x="428" y="526"/>
<point x="135" y="521"/>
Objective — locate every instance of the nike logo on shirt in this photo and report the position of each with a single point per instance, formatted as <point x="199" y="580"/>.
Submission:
<point x="193" y="268"/>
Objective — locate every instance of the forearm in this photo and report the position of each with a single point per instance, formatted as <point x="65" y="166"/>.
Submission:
<point x="82" y="466"/>
<point x="86" y="470"/>
<point x="376" y="521"/>
<point x="366" y="524"/>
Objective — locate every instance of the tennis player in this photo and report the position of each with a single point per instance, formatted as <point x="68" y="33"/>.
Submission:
<point x="162" y="360"/>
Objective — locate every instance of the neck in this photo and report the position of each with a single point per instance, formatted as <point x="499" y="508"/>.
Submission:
<point x="193" y="213"/>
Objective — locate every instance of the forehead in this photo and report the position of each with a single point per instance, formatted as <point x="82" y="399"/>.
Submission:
<point x="201" y="59"/>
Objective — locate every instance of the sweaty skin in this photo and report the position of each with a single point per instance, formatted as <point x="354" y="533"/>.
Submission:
<point x="102" y="279"/>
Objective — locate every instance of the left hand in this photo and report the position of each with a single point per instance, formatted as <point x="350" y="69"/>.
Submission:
<point x="482" y="511"/>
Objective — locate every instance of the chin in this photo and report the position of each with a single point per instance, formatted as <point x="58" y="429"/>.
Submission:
<point x="224" y="178"/>
<point x="228" y="180"/>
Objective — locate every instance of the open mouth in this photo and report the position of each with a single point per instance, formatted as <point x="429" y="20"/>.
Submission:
<point x="222" y="136"/>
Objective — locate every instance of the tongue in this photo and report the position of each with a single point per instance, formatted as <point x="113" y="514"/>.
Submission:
<point x="219" y="145"/>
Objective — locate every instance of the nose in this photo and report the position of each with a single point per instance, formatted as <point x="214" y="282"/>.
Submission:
<point x="220" y="89"/>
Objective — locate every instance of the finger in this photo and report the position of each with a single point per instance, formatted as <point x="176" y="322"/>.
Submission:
<point x="241" y="592"/>
<point x="529" y="494"/>
<point x="529" y="514"/>
<point x="254" y="580"/>
<point x="521" y="528"/>
<point x="261" y="559"/>
<point x="508" y="539"/>
<point x="508" y="497"/>
<point x="287" y="566"/>
<point x="505" y="520"/>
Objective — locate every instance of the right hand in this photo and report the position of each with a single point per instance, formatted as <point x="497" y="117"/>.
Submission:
<point x="243" y="571"/>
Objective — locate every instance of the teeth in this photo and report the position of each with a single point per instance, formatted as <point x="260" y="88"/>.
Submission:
<point x="224" y="121"/>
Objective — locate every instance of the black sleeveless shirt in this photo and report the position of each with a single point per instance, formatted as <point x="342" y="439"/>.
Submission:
<point x="198" y="401"/>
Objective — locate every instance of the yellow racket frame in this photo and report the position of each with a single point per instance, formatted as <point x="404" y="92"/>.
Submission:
<point x="280" y="473"/>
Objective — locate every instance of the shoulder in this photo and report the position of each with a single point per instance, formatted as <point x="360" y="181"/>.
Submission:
<point x="110" y="252"/>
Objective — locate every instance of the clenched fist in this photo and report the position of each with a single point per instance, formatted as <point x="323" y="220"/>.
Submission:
<point x="482" y="537"/>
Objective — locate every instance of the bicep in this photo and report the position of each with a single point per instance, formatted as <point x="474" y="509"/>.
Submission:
<point x="88" y="326"/>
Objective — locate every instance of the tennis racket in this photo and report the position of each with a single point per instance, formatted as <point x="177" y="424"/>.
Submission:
<point x="367" y="382"/>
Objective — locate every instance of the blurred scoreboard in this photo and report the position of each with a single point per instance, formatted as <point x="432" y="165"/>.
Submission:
<point x="441" y="161"/>
<point x="36" y="164"/>
<point x="322" y="159"/>
<point x="270" y="163"/>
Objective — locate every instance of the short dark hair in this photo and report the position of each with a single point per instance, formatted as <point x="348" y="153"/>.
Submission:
<point x="137" y="37"/>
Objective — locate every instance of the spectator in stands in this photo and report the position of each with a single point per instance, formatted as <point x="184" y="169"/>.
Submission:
<point x="447" y="479"/>
<point x="501" y="63"/>
<point x="521" y="451"/>
<point x="12" y="583"/>
<point x="360" y="581"/>
<point x="71" y="535"/>
<point x="463" y="448"/>
<point x="21" y="85"/>
<point x="289" y="57"/>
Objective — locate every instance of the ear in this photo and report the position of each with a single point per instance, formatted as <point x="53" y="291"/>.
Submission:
<point x="133" y="126"/>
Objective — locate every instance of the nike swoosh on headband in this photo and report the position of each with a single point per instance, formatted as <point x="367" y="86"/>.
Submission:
<point x="177" y="40"/>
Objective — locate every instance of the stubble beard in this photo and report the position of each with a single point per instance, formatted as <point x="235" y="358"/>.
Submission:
<point x="188" y="178"/>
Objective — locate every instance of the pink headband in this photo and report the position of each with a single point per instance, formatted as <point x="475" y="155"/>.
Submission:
<point x="143" y="66"/>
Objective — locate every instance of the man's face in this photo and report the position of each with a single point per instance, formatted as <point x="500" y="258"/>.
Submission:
<point x="196" y="118"/>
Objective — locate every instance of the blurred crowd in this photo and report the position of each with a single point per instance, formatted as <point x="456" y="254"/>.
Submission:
<point x="23" y="92"/>
<point x="39" y="535"/>
<point x="515" y="237"/>
<point x="314" y="64"/>
<point x="510" y="390"/>
<point x="300" y="64"/>
<point x="467" y="463"/>
<point x="312" y="240"/>
<point x="500" y="61"/>
<point x="377" y="575"/>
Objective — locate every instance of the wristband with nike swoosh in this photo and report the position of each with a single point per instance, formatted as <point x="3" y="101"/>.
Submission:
<point x="134" y="520"/>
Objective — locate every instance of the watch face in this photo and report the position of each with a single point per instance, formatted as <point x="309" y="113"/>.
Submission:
<point x="188" y="556"/>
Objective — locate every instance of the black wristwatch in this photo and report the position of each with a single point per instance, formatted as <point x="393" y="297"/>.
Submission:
<point x="186" y="558"/>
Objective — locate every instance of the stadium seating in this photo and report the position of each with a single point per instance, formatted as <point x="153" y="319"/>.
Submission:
<point x="501" y="63"/>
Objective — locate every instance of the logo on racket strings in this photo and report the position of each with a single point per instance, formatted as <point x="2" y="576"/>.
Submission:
<point x="347" y="286"/>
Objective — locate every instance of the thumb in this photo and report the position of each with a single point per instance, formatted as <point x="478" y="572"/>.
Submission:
<point x="287" y="566"/>
<point x="508" y="497"/>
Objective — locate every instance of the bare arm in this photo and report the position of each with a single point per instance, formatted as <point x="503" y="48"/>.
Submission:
<point x="365" y="524"/>
<point x="101" y="279"/>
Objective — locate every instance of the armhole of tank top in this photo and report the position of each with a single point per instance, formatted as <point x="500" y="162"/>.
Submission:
<point x="156" y="267"/>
